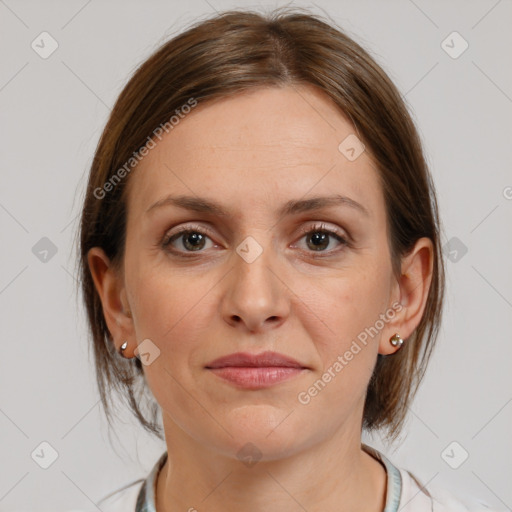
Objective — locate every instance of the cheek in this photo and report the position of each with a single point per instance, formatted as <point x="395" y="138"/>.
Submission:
<point x="173" y="314"/>
<point x="347" y="305"/>
<point x="175" y="310"/>
<point x="167" y="302"/>
<point x="345" y="331"/>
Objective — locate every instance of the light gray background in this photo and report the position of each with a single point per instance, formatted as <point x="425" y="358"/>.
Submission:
<point x="52" y="113"/>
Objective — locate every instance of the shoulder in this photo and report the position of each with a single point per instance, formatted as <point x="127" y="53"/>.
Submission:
<point x="138" y="495"/>
<point x="406" y="493"/>
<point x="122" y="500"/>
<point x="416" y="496"/>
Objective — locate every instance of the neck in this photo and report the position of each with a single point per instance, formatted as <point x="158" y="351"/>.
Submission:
<point x="335" y="475"/>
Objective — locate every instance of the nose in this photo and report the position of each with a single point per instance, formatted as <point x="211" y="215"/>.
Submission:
<point x="255" y="299"/>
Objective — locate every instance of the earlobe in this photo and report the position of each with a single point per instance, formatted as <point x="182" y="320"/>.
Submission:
<point x="414" y="284"/>
<point x="110" y="289"/>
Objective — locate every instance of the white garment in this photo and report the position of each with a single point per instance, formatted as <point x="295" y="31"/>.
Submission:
<point x="404" y="494"/>
<point x="122" y="501"/>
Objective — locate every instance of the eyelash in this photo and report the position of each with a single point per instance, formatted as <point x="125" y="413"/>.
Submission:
<point x="317" y="228"/>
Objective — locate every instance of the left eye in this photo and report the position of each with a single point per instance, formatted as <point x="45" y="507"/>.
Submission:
<point x="319" y="238"/>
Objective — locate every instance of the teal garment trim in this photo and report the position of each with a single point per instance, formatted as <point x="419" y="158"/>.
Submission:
<point x="146" y="499"/>
<point x="394" y="485"/>
<point x="394" y="489"/>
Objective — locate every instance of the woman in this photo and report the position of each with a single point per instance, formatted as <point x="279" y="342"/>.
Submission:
<point x="260" y="250"/>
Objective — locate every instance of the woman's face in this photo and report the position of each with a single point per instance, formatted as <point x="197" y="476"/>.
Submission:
<point x="262" y="275"/>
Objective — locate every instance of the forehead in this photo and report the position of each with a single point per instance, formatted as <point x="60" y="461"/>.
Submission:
<point x="261" y="145"/>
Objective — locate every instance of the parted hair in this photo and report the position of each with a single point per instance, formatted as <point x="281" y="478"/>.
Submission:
<point x="235" y="51"/>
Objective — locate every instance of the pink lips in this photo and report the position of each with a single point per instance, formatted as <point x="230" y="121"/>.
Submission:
<point x="255" y="371"/>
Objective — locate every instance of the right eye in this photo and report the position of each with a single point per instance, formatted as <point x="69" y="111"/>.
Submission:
<point x="187" y="239"/>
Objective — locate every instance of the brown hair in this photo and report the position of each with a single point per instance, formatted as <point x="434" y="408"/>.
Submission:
<point x="229" y="53"/>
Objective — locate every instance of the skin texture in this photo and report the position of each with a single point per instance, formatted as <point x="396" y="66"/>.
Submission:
<point x="252" y="153"/>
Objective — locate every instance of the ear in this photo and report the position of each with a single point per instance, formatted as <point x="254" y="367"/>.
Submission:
<point x="110" y="287"/>
<point x="411" y="291"/>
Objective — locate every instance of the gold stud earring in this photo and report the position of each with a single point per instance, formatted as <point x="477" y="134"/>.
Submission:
<point x="396" y="340"/>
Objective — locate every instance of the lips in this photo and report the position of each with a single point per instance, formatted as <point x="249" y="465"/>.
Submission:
<point x="263" y="360"/>
<point x="256" y="371"/>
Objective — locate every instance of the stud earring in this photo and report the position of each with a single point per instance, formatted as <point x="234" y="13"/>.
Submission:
<point x="123" y="348"/>
<point x="396" y="340"/>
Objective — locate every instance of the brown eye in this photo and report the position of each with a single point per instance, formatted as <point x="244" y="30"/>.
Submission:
<point x="320" y="239"/>
<point x="186" y="240"/>
<point x="193" y="241"/>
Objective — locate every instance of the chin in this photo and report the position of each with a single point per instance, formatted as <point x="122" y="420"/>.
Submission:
<point x="270" y="432"/>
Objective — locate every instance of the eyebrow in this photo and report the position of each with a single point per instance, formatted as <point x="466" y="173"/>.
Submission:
<point x="202" y="205"/>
